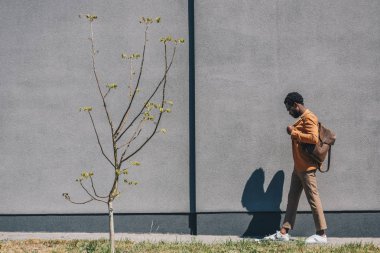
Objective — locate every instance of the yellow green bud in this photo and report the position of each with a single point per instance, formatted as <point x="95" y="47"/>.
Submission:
<point x="86" y="108"/>
<point x="111" y="86"/>
<point x="170" y="102"/>
<point x="91" y="17"/>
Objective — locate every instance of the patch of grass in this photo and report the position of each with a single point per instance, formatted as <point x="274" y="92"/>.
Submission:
<point x="243" y="246"/>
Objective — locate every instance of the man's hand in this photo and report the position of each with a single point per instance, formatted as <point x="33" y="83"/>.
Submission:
<point x="289" y="129"/>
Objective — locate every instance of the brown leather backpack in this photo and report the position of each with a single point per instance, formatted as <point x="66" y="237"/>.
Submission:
<point x="319" y="151"/>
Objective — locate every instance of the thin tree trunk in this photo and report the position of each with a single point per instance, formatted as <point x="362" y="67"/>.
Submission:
<point x="112" y="228"/>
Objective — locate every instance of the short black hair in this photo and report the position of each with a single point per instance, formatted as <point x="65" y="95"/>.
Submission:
<point x="293" y="97"/>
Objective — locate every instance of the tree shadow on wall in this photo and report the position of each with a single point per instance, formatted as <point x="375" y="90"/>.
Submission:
<point x="264" y="206"/>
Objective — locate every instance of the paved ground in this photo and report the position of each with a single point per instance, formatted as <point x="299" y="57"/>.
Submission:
<point x="158" y="237"/>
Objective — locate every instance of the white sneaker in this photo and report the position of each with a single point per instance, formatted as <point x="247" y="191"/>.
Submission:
<point x="316" y="239"/>
<point x="277" y="237"/>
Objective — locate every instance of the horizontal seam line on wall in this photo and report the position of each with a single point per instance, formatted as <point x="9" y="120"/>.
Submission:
<point x="283" y="212"/>
<point x="185" y="213"/>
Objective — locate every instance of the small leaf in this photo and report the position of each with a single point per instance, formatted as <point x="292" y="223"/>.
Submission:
<point x="136" y="163"/>
<point x="170" y="102"/>
<point x="86" y="108"/>
<point x="91" y="17"/>
<point x="111" y="86"/>
<point x="158" y="19"/>
<point x="84" y="175"/>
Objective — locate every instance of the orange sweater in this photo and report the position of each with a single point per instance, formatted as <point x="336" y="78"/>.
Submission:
<point x="305" y="131"/>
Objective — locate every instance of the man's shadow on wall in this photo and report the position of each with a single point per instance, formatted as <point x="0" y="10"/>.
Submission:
<point x="264" y="206"/>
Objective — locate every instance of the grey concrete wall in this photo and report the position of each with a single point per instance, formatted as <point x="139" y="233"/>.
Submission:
<point x="46" y="75"/>
<point x="261" y="224"/>
<point x="90" y="223"/>
<point x="242" y="224"/>
<point x="249" y="55"/>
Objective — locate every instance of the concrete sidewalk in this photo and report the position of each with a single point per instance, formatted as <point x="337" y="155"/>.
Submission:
<point x="160" y="237"/>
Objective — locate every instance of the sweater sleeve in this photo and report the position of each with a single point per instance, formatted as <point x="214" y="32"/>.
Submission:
<point x="310" y="133"/>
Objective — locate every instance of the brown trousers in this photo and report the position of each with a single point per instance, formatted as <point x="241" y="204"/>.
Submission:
<point x="304" y="181"/>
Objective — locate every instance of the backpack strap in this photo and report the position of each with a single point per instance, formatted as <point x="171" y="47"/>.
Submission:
<point x="328" y="162"/>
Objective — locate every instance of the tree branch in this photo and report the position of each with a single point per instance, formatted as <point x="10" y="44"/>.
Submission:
<point x="158" y="86"/>
<point x="131" y="73"/>
<point x="84" y="188"/>
<point x="97" y="79"/>
<point x="123" y="119"/>
<point x="134" y="136"/>
<point x="97" y="137"/>
<point x="137" y="131"/>
<point x="79" y="203"/>
<point x="162" y="105"/>
<point x="107" y="92"/>
<point x="93" y="188"/>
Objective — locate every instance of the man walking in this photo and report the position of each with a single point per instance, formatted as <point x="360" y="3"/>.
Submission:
<point x="305" y="130"/>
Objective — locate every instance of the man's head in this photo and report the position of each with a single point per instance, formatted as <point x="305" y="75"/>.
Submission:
<point x="294" y="104"/>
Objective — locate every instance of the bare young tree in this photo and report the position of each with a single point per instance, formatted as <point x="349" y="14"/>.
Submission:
<point x="129" y="127"/>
